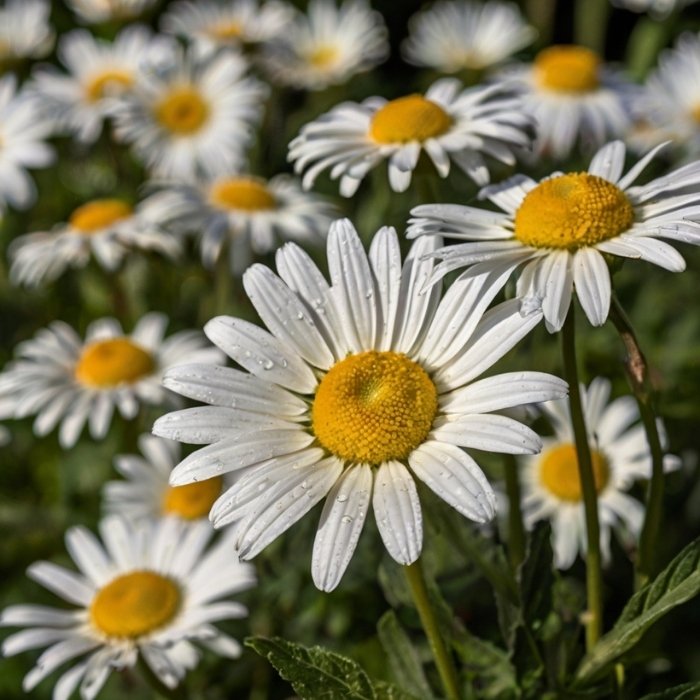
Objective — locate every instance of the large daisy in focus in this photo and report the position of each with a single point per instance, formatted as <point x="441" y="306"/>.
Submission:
<point x="448" y="123"/>
<point x="328" y="46"/>
<point x="192" y="117"/>
<point x="108" y="229"/>
<point x="25" y="31"/>
<point x="620" y="456"/>
<point x="562" y="228"/>
<point x="355" y="390"/>
<point x="455" y="35"/>
<point x="99" y="11"/>
<point x="574" y="97"/>
<point x="63" y="379"/>
<point x="152" y="590"/>
<point x="243" y="213"/>
<point x="97" y="71"/>
<point x="145" y="491"/>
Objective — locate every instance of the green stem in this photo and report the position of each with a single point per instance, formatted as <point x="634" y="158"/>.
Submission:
<point x="516" y="528"/>
<point x="637" y="371"/>
<point x="540" y="14"/>
<point x="443" y="660"/>
<point x="591" y="24"/>
<point x="158" y="687"/>
<point x="647" y="39"/>
<point x="594" y="586"/>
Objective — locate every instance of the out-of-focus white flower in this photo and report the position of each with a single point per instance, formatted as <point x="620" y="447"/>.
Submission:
<point x="657" y="8"/>
<point x="98" y="11"/>
<point x="25" y="31"/>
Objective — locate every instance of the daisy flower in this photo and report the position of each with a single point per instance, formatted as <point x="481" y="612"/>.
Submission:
<point x="657" y="8"/>
<point x="99" y="11"/>
<point x="22" y="133"/>
<point x="356" y="389"/>
<point x="193" y="117"/>
<point x="65" y="380"/>
<point x="245" y="213"/>
<point x="145" y="491"/>
<point x="448" y="123"/>
<point x="151" y="590"/>
<point x="108" y="229"/>
<point x="456" y="35"/>
<point x="97" y="70"/>
<point x="574" y="98"/>
<point x="328" y="46"/>
<point x="620" y="456"/>
<point x="562" y="227"/>
<point x="25" y="31"/>
<point x="214" y="24"/>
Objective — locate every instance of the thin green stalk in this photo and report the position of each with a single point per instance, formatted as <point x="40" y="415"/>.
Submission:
<point x="443" y="660"/>
<point x="158" y="687"/>
<point x="638" y="376"/>
<point x="540" y="14"/>
<point x="594" y="586"/>
<point x="591" y="24"/>
<point x="516" y="528"/>
<point x="647" y="39"/>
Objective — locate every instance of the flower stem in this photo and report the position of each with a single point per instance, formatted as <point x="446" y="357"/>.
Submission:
<point x="540" y="13"/>
<point x="594" y="586"/>
<point x="158" y="687"/>
<point x="516" y="528"/>
<point x="638" y="376"/>
<point x="443" y="660"/>
<point x="591" y="24"/>
<point x="647" y="39"/>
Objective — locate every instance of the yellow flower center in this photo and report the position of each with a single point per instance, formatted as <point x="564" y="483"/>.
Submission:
<point x="567" y="69"/>
<point x="226" y="31"/>
<point x="194" y="500"/>
<point x="242" y="193"/>
<point x="572" y="211"/>
<point x="323" y="56"/>
<point x="108" y="363"/>
<point x="107" y="83"/>
<point x="99" y="214"/>
<point x="183" y="111"/>
<point x="559" y="472"/>
<point x="695" y="113"/>
<point x="373" y="407"/>
<point x="411" y="118"/>
<point x="135" y="604"/>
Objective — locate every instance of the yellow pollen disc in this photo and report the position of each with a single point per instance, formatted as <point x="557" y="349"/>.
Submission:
<point x="567" y="69"/>
<point x="411" y="118"/>
<point x="194" y="500"/>
<point x="98" y="214"/>
<point x="560" y="476"/>
<point x="107" y="83"/>
<point x="183" y="111"/>
<point x="323" y="56"/>
<point x="695" y="113"/>
<point x="374" y="407"/>
<point x="242" y="193"/>
<point x="135" y="604"/>
<point x="226" y="31"/>
<point x="572" y="211"/>
<point x="108" y="363"/>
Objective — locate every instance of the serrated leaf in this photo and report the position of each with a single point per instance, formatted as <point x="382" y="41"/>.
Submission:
<point x="687" y="691"/>
<point x="405" y="664"/>
<point x="677" y="583"/>
<point x="388" y="691"/>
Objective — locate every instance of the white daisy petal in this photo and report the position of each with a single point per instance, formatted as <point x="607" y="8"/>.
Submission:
<point x="592" y="284"/>
<point x="492" y="433"/>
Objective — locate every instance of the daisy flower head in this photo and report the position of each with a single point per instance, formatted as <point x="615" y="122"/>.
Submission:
<point x="620" y="456"/>
<point x="106" y="229"/>
<point x="25" y="31"/>
<point x="100" y="11"/>
<point x="574" y="97"/>
<point x="98" y="71"/>
<point x="232" y="23"/>
<point x="245" y="213"/>
<point x="145" y="491"/>
<point x="152" y="590"/>
<point x="327" y="46"/>
<point x="193" y="117"/>
<point x="63" y="379"/>
<point x="455" y="35"/>
<point x="657" y="8"/>
<point x="356" y="389"/>
<point x="448" y="123"/>
<point x="562" y="228"/>
<point x="23" y="130"/>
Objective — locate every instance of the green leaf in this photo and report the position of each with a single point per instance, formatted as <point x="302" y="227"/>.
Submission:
<point x="687" y="691"/>
<point x="676" y="584"/>
<point x="406" y="666"/>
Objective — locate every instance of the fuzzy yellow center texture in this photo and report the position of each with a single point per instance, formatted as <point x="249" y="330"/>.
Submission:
<point x="242" y="193"/>
<point x="226" y="31"/>
<point x="572" y="211"/>
<point x="194" y="500"/>
<point x="559" y="472"/>
<point x="183" y="111"/>
<point x="99" y="214"/>
<point x="373" y="407"/>
<point x="323" y="56"/>
<point x="106" y="83"/>
<point x="135" y="604"/>
<point x="411" y="118"/>
<point x="567" y="69"/>
<point x="109" y="363"/>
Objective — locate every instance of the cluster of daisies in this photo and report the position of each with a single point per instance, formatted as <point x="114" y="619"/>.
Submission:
<point x="365" y="381"/>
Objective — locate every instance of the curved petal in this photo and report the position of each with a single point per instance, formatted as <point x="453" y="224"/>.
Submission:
<point x="491" y="433"/>
<point x="592" y="284"/>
